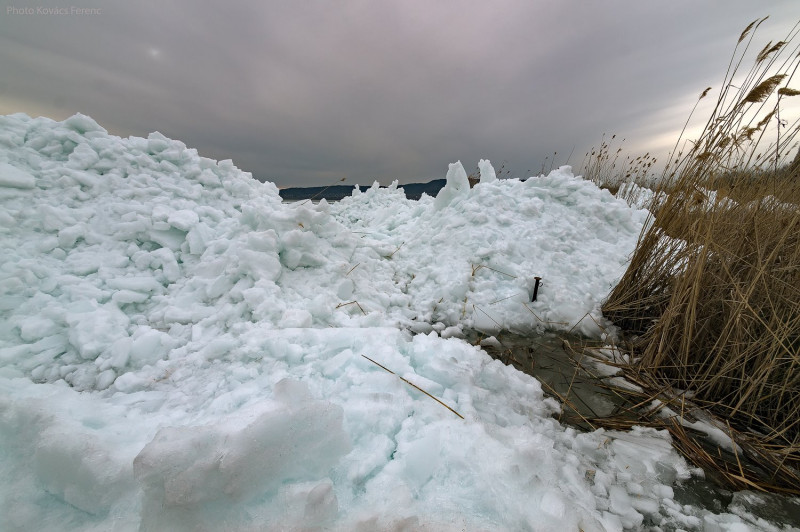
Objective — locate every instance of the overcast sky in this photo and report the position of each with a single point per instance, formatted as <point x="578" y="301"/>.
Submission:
<point x="305" y="92"/>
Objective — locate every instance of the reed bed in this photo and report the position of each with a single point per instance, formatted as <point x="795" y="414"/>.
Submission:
<point x="711" y="299"/>
<point x="747" y="463"/>
<point x="609" y="167"/>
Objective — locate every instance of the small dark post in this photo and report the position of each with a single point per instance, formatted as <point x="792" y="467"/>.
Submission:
<point x="536" y="288"/>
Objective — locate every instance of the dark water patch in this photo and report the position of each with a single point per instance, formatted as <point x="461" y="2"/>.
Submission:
<point x="550" y="358"/>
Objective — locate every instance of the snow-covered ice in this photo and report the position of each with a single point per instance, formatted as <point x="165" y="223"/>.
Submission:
<point x="180" y="350"/>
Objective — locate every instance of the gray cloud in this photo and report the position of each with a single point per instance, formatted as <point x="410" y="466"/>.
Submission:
<point x="308" y="92"/>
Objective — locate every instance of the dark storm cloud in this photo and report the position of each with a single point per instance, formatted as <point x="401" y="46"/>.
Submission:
<point x="307" y="92"/>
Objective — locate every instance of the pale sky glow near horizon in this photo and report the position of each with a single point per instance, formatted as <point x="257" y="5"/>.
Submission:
<point x="306" y="93"/>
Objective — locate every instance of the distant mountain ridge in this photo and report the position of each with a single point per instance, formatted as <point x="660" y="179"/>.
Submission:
<point x="336" y="192"/>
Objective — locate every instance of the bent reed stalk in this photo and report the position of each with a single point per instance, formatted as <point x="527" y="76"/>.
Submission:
<point x="712" y="294"/>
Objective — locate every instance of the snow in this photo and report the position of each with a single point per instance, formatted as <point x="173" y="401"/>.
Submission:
<point x="456" y="186"/>
<point x="180" y="350"/>
<point x="486" y="171"/>
<point x="13" y="177"/>
<point x="701" y="422"/>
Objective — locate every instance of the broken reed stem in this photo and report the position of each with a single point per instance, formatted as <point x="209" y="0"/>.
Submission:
<point x="566" y="401"/>
<point x="396" y="250"/>
<point x="540" y="319"/>
<point x="413" y="385"/>
<point x="733" y="446"/>
<point x="351" y="269"/>
<point x="503" y="299"/>
<point x="476" y="307"/>
<point x="574" y="374"/>
<point x="352" y="303"/>
<point x="323" y="190"/>
<point x="478" y="267"/>
<point x="578" y="322"/>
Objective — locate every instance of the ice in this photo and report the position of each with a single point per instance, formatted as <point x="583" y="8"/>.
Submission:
<point x="192" y="476"/>
<point x="487" y="171"/>
<point x="63" y="442"/>
<point x="84" y="125"/>
<point x="180" y="350"/>
<point x="148" y="346"/>
<point x="295" y="318"/>
<point x="13" y="177"/>
<point x="183" y="219"/>
<point x="94" y="328"/>
<point x="457" y="185"/>
<point x="701" y="422"/>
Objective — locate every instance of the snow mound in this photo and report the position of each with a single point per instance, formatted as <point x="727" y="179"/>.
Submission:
<point x="470" y="260"/>
<point x="180" y="350"/>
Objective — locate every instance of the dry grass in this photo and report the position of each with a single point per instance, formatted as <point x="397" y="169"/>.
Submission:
<point x="609" y="167"/>
<point x="712" y="294"/>
<point x="414" y="386"/>
<point x="756" y="465"/>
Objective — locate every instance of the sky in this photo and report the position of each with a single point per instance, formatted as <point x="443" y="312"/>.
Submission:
<point x="308" y="92"/>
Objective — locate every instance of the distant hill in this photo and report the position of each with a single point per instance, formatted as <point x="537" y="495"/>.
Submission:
<point x="335" y="193"/>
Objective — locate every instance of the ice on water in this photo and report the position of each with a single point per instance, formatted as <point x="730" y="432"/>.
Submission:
<point x="180" y="350"/>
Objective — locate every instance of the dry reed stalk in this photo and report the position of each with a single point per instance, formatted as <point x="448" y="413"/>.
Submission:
<point x="395" y="251"/>
<point x="312" y="198"/>
<point x="713" y="289"/>
<point x="340" y="305"/>
<point x="540" y="320"/>
<point x="607" y="168"/>
<point x="413" y="386"/>
<point x="759" y="466"/>
<point x="476" y="307"/>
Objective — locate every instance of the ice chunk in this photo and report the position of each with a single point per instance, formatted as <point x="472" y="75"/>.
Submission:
<point x="487" y="171"/>
<point x="621" y="504"/>
<point x="80" y="470"/>
<point x="149" y="345"/>
<point x="345" y="289"/>
<point x="68" y="236"/>
<point x="120" y="352"/>
<point x="169" y="238"/>
<point x="189" y="474"/>
<point x="156" y="142"/>
<point x="169" y="264"/>
<point x="260" y="264"/>
<point x="83" y="124"/>
<point x="137" y="284"/>
<point x="321" y="503"/>
<point x="105" y="379"/>
<point x="553" y="504"/>
<point x="457" y="185"/>
<point x="262" y="240"/>
<point x="13" y="177"/>
<point x="218" y="347"/>
<point x="81" y="158"/>
<point x="93" y="331"/>
<point x="300" y="250"/>
<point x="53" y="218"/>
<point x="491" y="341"/>
<point x="7" y="220"/>
<point x="57" y="451"/>
<point x="198" y="238"/>
<point x="183" y="219"/>
<point x="35" y="327"/>
<point x="296" y="318"/>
